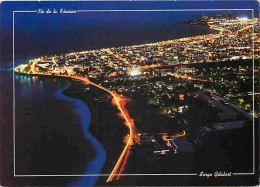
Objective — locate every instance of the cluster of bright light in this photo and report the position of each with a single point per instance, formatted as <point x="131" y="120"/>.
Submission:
<point x="135" y="72"/>
<point x="243" y="19"/>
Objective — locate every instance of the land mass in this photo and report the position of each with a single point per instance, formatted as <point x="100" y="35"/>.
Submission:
<point x="185" y="102"/>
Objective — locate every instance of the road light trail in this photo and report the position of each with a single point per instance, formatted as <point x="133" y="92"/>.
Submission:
<point x="120" y="164"/>
<point x="120" y="103"/>
<point x="34" y="64"/>
<point x="124" y="154"/>
<point x="190" y="78"/>
<point x="178" y="135"/>
<point x="123" y="164"/>
<point x="175" y="75"/>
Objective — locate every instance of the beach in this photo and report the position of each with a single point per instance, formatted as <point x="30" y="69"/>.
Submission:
<point x="63" y="126"/>
<point x="95" y="122"/>
<point x="105" y="124"/>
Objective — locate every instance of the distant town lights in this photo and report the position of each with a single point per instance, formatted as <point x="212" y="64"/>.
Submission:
<point x="135" y="72"/>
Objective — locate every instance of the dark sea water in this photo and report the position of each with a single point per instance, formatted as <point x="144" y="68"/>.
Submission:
<point x="52" y="134"/>
<point x="52" y="131"/>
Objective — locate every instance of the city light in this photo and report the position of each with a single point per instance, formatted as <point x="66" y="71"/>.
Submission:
<point x="166" y="73"/>
<point x="135" y="72"/>
<point x="243" y="19"/>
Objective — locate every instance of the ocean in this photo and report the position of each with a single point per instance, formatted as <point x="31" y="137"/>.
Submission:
<point x="52" y="135"/>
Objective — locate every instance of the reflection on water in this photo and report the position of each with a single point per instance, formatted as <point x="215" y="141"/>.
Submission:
<point x="53" y="131"/>
<point x="27" y="83"/>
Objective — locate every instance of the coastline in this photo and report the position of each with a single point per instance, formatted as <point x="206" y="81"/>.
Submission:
<point x="95" y="165"/>
<point x="100" y="104"/>
<point x="105" y="125"/>
<point x="102" y="119"/>
<point x="55" y="139"/>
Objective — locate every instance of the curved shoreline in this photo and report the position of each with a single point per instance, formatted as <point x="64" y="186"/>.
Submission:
<point x="119" y="102"/>
<point x="108" y="130"/>
<point x="96" y="164"/>
<point x="100" y="128"/>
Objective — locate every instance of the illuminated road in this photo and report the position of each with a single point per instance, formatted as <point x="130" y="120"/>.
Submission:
<point x="175" y="75"/>
<point x="166" y="135"/>
<point x="34" y="63"/>
<point x="120" y="102"/>
<point x="191" y="78"/>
